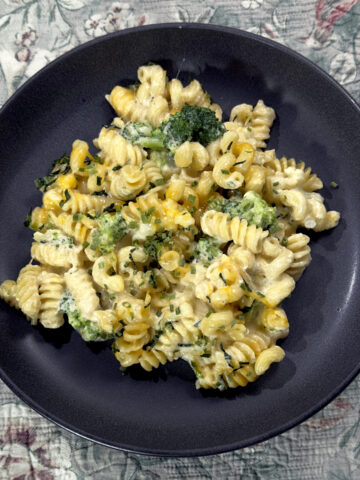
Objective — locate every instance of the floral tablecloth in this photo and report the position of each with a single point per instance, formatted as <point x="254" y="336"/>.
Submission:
<point x="34" y="32"/>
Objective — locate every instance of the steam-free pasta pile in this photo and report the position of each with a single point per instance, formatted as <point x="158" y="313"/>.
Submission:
<point x="178" y="239"/>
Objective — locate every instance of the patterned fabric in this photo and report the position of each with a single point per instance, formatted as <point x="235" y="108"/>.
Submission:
<point x="34" y="32"/>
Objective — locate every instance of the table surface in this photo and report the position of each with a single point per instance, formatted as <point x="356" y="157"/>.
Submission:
<point x="34" y="32"/>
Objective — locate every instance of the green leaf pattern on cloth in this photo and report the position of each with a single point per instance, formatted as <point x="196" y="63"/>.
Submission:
<point x="35" y="32"/>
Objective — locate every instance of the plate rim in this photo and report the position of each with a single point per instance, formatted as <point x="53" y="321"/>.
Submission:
<point x="198" y="451"/>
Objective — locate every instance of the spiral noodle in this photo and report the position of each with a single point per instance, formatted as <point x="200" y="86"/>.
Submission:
<point x="56" y="255"/>
<point x="132" y="211"/>
<point x="178" y="332"/>
<point x="81" y="287"/>
<point x="82" y="202"/>
<point x="262" y="118"/>
<point x="256" y="121"/>
<point x="8" y="290"/>
<point x="127" y="183"/>
<point x="193" y="94"/>
<point x="310" y="181"/>
<point x="117" y="151"/>
<point x="239" y="363"/>
<point x="27" y="291"/>
<point x="129" y="347"/>
<point x="219" y="225"/>
<point x="150" y="359"/>
<point x="153" y="174"/>
<point x="51" y="290"/>
<point x="74" y="228"/>
<point x="298" y="244"/>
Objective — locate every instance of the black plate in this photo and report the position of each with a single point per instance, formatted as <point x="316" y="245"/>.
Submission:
<point x="79" y="386"/>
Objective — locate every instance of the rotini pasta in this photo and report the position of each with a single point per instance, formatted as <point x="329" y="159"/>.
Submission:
<point x="177" y="238"/>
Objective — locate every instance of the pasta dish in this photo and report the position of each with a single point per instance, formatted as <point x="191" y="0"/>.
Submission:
<point x="177" y="239"/>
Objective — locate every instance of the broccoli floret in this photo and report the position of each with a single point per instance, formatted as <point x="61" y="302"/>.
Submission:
<point x="216" y="202"/>
<point x="89" y="330"/>
<point x="233" y="207"/>
<point x="254" y="210"/>
<point x="143" y="134"/>
<point x="111" y="229"/>
<point x="192" y="123"/>
<point x="59" y="167"/>
<point x="207" y="249"/>
<point x="251" y="207"/>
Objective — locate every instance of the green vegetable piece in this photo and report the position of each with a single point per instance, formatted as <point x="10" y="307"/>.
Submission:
<point x="59" y="167"/>
<point x="111" y="229"/>
<point x="216" y="203"/>
<point x="255" y="210"/>
<point x="89" y="330"/>
<point x="207" y="249"/>
<point x="192" y="123"/>
<point x="143" y="134"/>
<point x="252" y="207"/>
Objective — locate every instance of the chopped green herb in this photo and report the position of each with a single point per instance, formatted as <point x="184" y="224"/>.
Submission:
<point x="60" y="166"/>
<point x="133" y="225"/>
<point x="227" y="356"/>
<point x="67" y="198"/>
<point x="100" y="193"/>
<point x="110" y="208"/>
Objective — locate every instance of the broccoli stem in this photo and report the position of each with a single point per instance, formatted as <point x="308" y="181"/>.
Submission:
<point x="151" y="142"/>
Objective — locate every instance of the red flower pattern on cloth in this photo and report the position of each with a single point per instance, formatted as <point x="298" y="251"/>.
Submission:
<point x="327" y="13"/>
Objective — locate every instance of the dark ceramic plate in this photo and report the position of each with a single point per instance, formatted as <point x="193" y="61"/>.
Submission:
<point x="78" y="385"/>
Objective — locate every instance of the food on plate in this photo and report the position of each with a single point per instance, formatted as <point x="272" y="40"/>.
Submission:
<point x="177" y="238"/>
